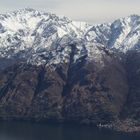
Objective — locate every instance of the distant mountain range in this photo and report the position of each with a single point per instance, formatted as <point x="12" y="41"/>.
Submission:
<point x="56" y="69"/>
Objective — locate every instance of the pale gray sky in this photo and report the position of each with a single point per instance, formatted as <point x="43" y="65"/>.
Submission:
<point x="95" y="11"/>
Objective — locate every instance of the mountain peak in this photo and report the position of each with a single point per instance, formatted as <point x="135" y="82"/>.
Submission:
<point x="29" y="29"/>
<point x="29" y="9"/>
<point x="134" y="16"/>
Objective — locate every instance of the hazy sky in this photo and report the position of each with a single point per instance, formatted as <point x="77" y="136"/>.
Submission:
<point x="95" y="11"/>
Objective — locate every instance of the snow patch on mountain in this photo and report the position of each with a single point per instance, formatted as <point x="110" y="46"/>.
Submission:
<point x="44" y="38"/>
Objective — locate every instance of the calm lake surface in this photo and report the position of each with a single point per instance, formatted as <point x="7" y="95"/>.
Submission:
<point x="42" y="131"/>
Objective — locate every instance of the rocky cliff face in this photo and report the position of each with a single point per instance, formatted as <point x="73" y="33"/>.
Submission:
<point x="82" y="91"/>
<point x="52" y="68"/>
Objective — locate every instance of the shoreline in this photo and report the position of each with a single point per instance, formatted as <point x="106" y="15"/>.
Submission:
<point x="127" y="126"/>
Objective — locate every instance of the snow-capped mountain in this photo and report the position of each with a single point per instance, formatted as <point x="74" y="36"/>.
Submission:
<point x="122" y="34"/>
<point x="53" y="68"/>
<point x="35" y="35"/>
<point x="26" y="33"/>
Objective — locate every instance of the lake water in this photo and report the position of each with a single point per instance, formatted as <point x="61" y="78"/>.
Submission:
<point x="42" y="131"/>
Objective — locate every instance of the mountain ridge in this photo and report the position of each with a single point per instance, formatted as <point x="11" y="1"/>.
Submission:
<point x="30" y="29"/>
<point x="55" y="69"/>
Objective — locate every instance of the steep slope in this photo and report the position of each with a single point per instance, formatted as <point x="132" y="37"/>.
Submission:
<point x="122" y="34"/>
<point x="28" y="34"/>
<point x="85" y="91"/>
<point x="36" y="36"/>
<point x="52" y="68"/>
